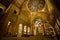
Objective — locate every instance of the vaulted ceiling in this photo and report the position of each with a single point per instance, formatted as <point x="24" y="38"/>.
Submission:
<point x="7" y="2"/>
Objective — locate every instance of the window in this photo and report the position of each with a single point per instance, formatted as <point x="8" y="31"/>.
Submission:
<point x="15" y="12"/>
<point x="25" y="29"/>
<point x="51" y="29"/>
<point x="35" y="5"/>
<point x="38" y="22"/>
<point x="28" y="31"/>
<point x="1" y="10"/>
<point x="20" y="28"/>
<point x="9" y="23"/>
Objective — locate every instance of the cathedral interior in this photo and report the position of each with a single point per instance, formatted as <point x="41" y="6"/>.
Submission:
<point x="29" y="20"/>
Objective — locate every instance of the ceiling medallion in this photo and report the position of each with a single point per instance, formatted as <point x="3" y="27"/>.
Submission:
<point x="35" y="5"/>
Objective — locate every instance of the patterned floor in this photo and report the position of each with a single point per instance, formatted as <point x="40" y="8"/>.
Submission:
<point x="30" y="38"/>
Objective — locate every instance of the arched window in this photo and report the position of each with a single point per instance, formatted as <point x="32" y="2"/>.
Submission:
<point x="38" y="22"/>
<point x="51" y="29"/>
<point x="15" y="12"/>
<point x="1" y="10"/>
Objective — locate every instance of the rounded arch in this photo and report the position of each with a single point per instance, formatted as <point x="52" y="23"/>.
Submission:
<point x="1" y="10"/>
